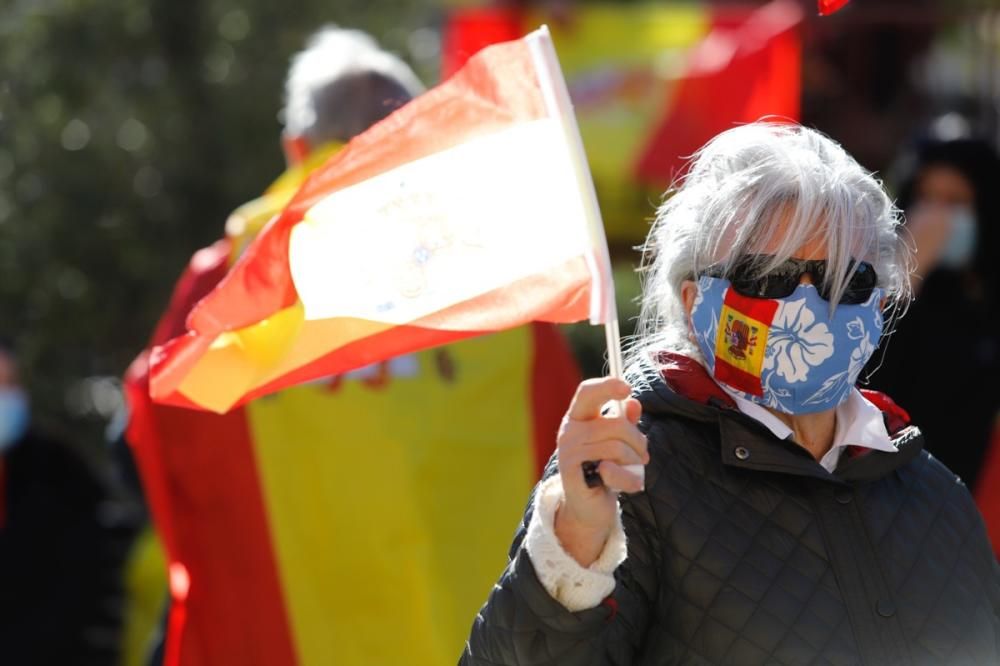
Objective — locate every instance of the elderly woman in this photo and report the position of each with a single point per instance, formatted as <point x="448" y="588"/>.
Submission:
<point x="787" y="517"/>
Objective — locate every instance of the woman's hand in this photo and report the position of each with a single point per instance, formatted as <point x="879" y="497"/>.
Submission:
<point x="587" y="515"/>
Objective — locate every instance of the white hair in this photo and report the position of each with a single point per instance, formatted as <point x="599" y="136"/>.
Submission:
<point x="764" y="184"/>
<point x="341" y="83"/>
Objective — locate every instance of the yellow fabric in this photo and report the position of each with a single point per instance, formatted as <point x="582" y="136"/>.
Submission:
<point x="146" y="595"/>
<point x="387" y="498"/>
<point x="619" y="62"/>
<point x="253" y="356"/>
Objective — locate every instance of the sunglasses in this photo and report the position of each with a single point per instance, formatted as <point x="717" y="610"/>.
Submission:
<point x="745" y="278"/>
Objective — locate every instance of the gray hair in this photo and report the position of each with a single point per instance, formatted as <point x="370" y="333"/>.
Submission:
<point x="737" y="187"/>
<point x="341" y="84"/>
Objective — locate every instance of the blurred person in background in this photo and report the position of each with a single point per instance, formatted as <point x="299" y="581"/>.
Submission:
<point x="942" y="364"/>
<point x="64" y="532"/>
<point x="330" y="523"/>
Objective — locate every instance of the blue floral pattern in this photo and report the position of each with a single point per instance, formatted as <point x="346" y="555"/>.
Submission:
<point x="811" y="358"/>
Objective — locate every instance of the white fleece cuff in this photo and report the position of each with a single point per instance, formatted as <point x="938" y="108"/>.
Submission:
<point x="575" y="587"/>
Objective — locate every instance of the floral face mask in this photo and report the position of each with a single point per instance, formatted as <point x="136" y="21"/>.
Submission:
<point x="788" y="353"/>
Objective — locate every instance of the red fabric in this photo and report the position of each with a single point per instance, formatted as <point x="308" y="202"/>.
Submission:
<point x="736" y="75"/>
<point x="554" y="378"/>
<point x="472" y="29"/>
<point x="201" y="482"/>
<point x="207" y="266"/>
<point x="827" y="7"/>
<point x="897" y="418"/>
<point x="612" y="605"/>
<point x="988" y="488"/>
<point x="689" y="378"/>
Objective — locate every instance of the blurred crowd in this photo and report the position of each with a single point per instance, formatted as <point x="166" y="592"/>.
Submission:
<point x="210" y="539"/>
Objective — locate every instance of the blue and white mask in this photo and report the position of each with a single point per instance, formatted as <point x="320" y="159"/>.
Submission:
<point x="13" y="416"/>
<point x="788" y="354"/>
<point x="961" y="244"/>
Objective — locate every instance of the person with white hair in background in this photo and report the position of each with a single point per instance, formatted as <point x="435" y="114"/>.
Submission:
<point x="328" y="523"/>
<point x="785" y="517"/>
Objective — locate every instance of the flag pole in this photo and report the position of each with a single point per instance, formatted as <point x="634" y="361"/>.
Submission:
<point x="603" y="306"/>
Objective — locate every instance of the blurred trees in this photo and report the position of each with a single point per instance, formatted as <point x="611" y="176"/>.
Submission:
<point x="128" y="131"/>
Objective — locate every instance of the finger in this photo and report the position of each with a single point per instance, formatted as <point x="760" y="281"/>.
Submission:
<point x="614" y="450"/>
<point x="619" y="479"/>
<point x="633" y="410"/>
<point x="593" y="393"/>
<point x="575" y="434"/>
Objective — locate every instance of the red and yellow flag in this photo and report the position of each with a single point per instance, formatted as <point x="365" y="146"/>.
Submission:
<point x="300" y="525"/>
<point x="467" y="211"/>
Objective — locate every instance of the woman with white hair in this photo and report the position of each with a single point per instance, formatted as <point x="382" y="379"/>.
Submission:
<point x="786" y="517"/>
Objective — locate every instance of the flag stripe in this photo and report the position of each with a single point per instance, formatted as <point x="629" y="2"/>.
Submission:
<point x="215" y="526"/>
<point x="415" y="529"/>
<point x="332" y="346"/>
<point x="390" y="248"/>
<point x="553" y="363"/>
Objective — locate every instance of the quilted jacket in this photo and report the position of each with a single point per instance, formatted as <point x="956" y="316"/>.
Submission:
<point x="744" y="550"/>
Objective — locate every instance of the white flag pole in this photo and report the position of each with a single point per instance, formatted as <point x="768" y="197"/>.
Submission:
<point x="603" y="307"/>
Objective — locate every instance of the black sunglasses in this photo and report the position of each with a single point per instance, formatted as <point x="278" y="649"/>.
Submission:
<point x="745" y="278"/>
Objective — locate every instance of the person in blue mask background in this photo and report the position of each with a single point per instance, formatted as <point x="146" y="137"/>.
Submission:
<point x="64" y="533"/>
<point x="942" y="363"/>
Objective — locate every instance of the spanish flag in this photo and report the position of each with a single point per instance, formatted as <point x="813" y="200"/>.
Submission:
<point x="360" y="517"/>
<point x="467" y="211"/>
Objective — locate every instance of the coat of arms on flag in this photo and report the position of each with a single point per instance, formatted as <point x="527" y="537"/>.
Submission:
<point x="744" y="325"/>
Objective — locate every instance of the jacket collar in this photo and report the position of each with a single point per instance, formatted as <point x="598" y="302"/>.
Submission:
<point x="684" y="388"/>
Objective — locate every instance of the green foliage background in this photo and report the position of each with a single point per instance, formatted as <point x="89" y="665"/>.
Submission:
<point x="128" y="131"/>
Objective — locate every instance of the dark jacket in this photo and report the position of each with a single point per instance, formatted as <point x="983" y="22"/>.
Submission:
<point x="744" y="550"/>
<point x="64" y="536"/>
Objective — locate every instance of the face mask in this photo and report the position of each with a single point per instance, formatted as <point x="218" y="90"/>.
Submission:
<point x="788" y="353"/>
<point x="961" y="241"/>
<point x="13" y="416"/>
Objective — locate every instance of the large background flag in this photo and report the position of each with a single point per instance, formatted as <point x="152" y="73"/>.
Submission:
<point x="467" y="211"/>
<point x="280" y="552"/>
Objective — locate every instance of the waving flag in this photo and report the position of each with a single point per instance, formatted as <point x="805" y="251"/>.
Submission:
<point x="469" y="210"/>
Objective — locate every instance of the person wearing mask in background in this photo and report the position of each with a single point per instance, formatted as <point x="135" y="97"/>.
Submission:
<point x="942" y="363"/>
<point x="786" y="517"/>
<point x="63" y="539"/>
<point x="331" y="522"/>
